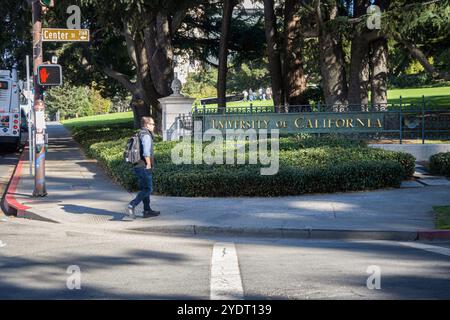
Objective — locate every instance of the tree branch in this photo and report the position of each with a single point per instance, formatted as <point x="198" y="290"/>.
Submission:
<point x="131" y="47"/>
<point x="417" y="54"/>
<point x="121" y="78"/>
<point x="177" y="19"/>
<point x="88" y="61"/>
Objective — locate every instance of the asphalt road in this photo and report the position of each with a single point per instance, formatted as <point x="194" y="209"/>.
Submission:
<point x="45" y="261"/>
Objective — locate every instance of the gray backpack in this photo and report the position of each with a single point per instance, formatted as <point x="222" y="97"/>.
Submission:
<point x="132" y="152"/>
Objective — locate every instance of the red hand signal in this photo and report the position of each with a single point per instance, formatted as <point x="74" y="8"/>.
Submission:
<point x="43" y="75"/>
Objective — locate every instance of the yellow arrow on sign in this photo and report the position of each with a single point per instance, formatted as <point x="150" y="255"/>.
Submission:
<point x="65" y="35"/>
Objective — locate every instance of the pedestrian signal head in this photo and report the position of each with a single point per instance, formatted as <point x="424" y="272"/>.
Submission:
<point x="49" y="75"/>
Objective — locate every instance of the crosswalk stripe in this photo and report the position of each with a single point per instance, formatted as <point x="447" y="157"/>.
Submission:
<point x="426" y="247"/>
<point x="226" y="282"/>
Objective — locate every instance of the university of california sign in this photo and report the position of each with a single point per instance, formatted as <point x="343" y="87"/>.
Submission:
<point x="355" y="122"/>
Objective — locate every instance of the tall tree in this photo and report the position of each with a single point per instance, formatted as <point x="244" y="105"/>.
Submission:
<point x="228" y="6"/>
<point x="148" y="29"/>
<point x="359" y="61"/>
<point x="379" y="65"/>
<point x="332" y="65"/>
<point x="273" y="53"/>
<point x="295" y="79"/>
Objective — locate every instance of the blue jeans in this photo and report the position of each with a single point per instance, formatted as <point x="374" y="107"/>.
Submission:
<point x="145" y="184"/>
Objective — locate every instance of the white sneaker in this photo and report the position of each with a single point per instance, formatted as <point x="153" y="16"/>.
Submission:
<point x="129" y="211"/>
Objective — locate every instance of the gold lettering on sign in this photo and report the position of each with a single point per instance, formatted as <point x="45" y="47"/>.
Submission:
<point x="331" y="122"/>
<point x="378" y="123"/>
<point x="342" y="121"/>
<point x="358" y="120"/>
<point x="302" y="123"/>
<point x="298" y="123"/>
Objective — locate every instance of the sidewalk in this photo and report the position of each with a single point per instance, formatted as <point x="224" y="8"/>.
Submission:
<point x="79" y="192"/>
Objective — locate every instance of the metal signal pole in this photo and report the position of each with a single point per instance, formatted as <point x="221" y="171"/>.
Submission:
<point x="39" y="106"/>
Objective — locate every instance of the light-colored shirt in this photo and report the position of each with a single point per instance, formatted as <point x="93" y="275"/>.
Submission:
<point x="147" y="145"/>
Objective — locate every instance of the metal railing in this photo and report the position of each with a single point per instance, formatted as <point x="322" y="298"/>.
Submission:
<point x="413" y="119"/>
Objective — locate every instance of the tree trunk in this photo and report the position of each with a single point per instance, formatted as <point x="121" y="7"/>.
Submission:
<point x="358" y="94"/>
<point x="228" y="6"/>
<point x="159" y="57"/>
<point x="295" y="80"/>
<point x="332" y="63"/>
<point x="273" y="53"/>
<point x="162" y="59"/>
<point x="140" y="108"/>
<point x="379" y="71"/>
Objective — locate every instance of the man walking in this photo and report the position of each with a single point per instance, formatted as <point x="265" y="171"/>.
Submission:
<point x="143" y="170"/>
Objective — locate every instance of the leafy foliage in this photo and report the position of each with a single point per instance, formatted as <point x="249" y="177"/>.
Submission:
<point x="307" y="165"/>
<point x="440" y="164"/>
<point x="74" y="102"/>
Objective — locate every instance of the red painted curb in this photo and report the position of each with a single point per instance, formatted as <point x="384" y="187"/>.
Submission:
<point x="433" y="235"/>
<point x="10" y="199"/>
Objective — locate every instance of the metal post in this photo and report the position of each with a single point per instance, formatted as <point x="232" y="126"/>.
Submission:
<point x="318" y="113"/>
<point x="30" y="124"/>
<point x="423" y="119"/>
<point x="401" y="121"/>
<point x="39" y="107"/>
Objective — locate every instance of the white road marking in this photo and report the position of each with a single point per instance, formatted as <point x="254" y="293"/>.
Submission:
<point x="226" y="282"/>
<point x="2" y="244"/>
<point x="426" y="247"/>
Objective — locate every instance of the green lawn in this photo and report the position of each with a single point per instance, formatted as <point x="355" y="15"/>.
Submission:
<point x="104" y="119"/>
<point x="442" y="217"/>
<point x="437" y="96"/>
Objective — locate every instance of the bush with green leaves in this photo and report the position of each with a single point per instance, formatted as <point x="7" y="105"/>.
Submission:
<point x="307" y="165"/>
<point x="74" y="102"/>
<point x="440" y="164"/>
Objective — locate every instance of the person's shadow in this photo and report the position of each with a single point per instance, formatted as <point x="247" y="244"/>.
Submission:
<point x="76" y="209"/>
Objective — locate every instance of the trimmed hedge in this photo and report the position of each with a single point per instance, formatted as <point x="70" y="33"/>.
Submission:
<point x="440" y="164"/>
<point x="307" y="165"/>
<point x="289" y="181"/>
<point x="344" y="166"/>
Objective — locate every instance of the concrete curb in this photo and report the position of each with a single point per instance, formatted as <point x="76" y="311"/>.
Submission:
<point x="10" y="203"/>
<point x="194" y="230"/>
<point x="15" y="207"/>
<point x="433" y="235"/>
<point x="12" y="206"/>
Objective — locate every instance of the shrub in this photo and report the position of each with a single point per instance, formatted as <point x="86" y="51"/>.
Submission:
<point x="307" y="170"/>
<point x="247" y="181"/>
<point x="307" y="165"/>
<point x="74" y="102"/>
<point x="440" y="164"/>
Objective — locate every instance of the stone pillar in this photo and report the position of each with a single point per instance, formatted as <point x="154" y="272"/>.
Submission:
<point x="172" y="107"/>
